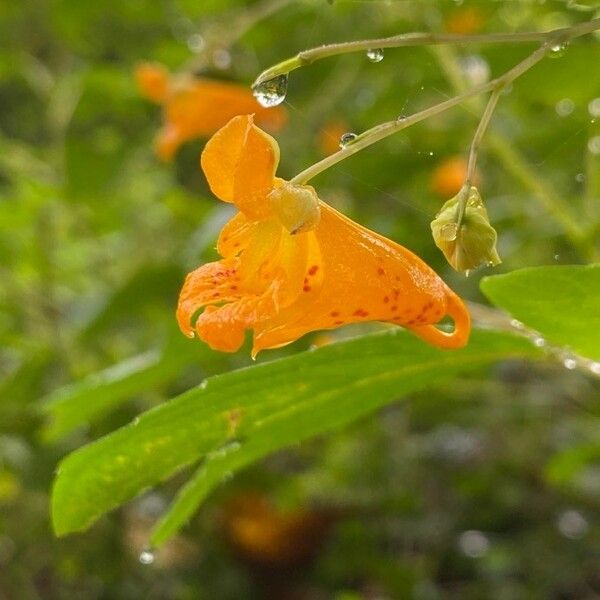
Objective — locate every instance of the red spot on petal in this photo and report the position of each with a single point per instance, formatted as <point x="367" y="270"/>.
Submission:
<point x="338" y="322"/>
<point x="386" y="299"/>
<point x="306" y="288"/>
<point x="394" y="308"/>
<point x="233" y="287"/>
<point x="335" y="313"/>
<point x="360" y="312"/>
<point x="380" y="271"/>
<point x="313" y="269"/>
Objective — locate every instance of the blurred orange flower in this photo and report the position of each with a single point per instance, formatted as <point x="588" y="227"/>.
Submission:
<point x="197" y="107"/>
<point x="449" y="176"/>
<point x="292" y="264"/>
<point x="470" y="19"/>
<point x="329" y="136"/>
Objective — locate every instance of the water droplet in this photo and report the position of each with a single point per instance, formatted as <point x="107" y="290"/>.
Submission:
<point x="557" y="50"/>
<point x="375" y="55"/>
<point x="556" y="256"/>
<point x="516" y="324"/>
<point x="226" y="449"/>
<point x="196" y="43"/>
<point x="401" y="118"/>
<point x="136" y="421"/>
<point x="271" y="92"/>
<point x="449" y="232"/>
<point x="146" y="556"/>
<point x="594" y="145"/>
<point x="569" y="363"/>
<point x="594" y="107"/>
<point x="580" y="178"/>
<point x="476" y="69"/>
<point x="221" y="58"/>
<point x="539" y="341"/>
<point x="467" y="272"/>
<point x="347" y="139"/>
<point x="203" y="385"/>
<point x="473" y="544"/>
<point x="564" y="107"/>
<point x="572" y="524"/>
<point x="595" y="368"/>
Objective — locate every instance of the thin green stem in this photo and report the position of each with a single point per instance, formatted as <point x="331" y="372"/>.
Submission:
<point x="307" y="57"/>
<point x="481" y="128"/>
<point x="479" y="133"/>
<point x="517" y="165"/>
<point x="384" y="130"/>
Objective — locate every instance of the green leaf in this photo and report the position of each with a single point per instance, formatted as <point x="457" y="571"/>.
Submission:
<point x="236" y="418"/>
<point x="560" y="302"/>
<point x="85" y="401"/>
<point x="565" y="466"/>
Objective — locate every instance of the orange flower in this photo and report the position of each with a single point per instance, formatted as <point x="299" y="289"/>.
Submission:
<point x="292" y="264"/>
<point x="197" y="107"/>
<point x="330" y="134"/>
<point x="449" y="176"/>
<point x="465" y="20"/>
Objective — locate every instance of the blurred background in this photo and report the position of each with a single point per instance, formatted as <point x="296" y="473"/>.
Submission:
<point x="488" y="488"/>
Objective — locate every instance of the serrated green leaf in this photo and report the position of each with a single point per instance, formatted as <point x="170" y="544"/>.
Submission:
<point x="236" y="418"/>
<point x="561" y="302"/>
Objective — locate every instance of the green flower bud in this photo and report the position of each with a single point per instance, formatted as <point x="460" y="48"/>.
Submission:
<point x="471" y="244"/>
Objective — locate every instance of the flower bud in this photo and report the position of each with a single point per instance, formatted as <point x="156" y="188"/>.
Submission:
<point x="471" y="244"/>
<point x="296" y="206"/>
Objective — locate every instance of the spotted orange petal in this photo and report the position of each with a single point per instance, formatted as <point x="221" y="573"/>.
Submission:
<point x="239" y="162"/>
<point x="253" y="283"/>
<point x="366" y="277"/>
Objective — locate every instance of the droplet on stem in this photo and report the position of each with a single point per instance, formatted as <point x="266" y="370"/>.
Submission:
<point x="557" y="50"/>
<point x="449" y="232"/>
<point x="271" y="92"/>
<point x="347" y="139"/>
<point x="146" y="556"/>
<point x="375" y="55"/>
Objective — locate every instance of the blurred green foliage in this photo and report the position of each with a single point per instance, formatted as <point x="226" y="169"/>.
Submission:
<point x="486" y="487"/>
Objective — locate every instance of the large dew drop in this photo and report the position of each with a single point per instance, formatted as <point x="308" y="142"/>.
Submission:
<point x="146" y="556"/>
<point x="375" y="55"/>
<point x="271" y="92"/>
<point x="347" y="139"/>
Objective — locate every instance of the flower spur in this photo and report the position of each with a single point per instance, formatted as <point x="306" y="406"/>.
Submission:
<point x="292" y="264"/>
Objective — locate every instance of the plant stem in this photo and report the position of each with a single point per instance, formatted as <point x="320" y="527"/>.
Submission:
<point x="384" y="130"/>
<point x="307" y="57"/>
<point x="517" y="165"/>
<point x="481" y="128"/>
